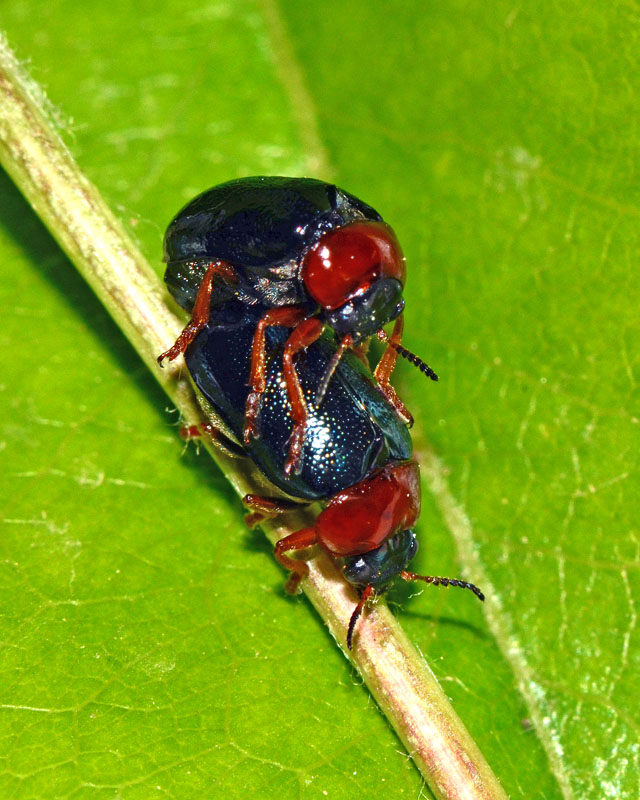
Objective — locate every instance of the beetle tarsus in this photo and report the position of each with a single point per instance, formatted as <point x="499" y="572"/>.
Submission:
<point x="252" y="409"/>
<point x="265" y="508"/>
<point x="300" y="540"/>
<point x="179" y="347"/>
<point x="367" y="593"/>
<point x="293" y="464"/>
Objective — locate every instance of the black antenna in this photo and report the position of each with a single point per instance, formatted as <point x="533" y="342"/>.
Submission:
<point x="412" y="357"/>
<point x="411" y="576"/>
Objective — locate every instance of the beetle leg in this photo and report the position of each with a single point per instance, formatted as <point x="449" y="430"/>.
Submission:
<point x="227" y="445"/>
<point x="304" y="335"/>
<point x="287" y="317"/>
<point x="266" y="507"/>
<point x="201" y="309"/>
<point x="368" y="593"/>
<point x="382" y="372"/>
<point x="299" y="540"/>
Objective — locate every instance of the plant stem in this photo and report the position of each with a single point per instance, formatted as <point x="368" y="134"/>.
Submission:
<point x="35" y="156"/>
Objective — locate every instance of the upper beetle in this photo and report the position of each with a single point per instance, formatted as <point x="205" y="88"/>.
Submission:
<point x="312" y="255"/>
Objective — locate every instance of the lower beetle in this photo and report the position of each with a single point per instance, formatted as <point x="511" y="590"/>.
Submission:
<point x="309" y="255"/>
<point x="357" y="452"/>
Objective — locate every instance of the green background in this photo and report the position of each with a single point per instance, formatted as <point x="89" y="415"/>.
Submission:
<point x="148" y="649"/>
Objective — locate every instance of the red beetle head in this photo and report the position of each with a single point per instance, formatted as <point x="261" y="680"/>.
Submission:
<point x="357" y="273"/>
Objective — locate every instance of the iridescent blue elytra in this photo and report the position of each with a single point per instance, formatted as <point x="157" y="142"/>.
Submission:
<point x="263" y="226"/>
<point x="352" y="433"/>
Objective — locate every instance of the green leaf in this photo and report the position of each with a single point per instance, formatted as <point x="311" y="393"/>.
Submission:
<point x="147" y="645"/>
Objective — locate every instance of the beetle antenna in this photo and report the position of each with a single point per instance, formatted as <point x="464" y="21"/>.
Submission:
<point x="412" y="357"/>
<point x="366" y="595"/>
<point x="346" y="342"/>
<point x="411" y="576"/>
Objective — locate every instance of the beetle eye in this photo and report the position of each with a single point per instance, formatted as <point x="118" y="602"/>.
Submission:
<point x="347" y="261"/>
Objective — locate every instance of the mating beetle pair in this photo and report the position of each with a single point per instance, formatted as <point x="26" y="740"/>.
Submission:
<point x="286" y="279"/>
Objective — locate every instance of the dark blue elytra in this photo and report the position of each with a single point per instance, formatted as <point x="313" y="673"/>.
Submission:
<point x="352" y="433"/>
<point x="263" y="226"/>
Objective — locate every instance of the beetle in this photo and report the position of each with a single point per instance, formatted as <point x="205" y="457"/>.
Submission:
<point x="357" y="454"/>
<point x="308" y="255"/>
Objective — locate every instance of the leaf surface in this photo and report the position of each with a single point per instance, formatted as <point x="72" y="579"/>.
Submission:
<point x="147" y="645"/>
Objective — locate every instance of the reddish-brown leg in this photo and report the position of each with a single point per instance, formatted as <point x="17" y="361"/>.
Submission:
<point x="266" y="507"/>
<point x="382" y="372"/>
<point x="287" y="317"/>
<point x="304" y="335"/>
<point x="299" y="540"/>
<point x="200" y="315"/>
<point x="216" y="435"/>
<point x="368" y="593"/>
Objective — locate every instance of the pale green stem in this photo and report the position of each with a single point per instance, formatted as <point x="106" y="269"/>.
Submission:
<point x="71" y="207"/>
